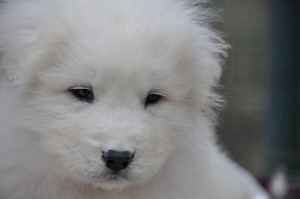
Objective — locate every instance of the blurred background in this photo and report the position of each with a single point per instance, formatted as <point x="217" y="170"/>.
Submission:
<point x="260" y="126"/>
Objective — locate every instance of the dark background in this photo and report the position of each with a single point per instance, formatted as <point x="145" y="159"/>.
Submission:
<point x="259" y="127"/>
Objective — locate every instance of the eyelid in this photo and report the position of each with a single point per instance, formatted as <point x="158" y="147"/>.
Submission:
<point x="81" y="87"/>
<point x="155" y="92"/>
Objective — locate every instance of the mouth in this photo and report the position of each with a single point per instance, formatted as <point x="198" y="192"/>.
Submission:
<point x="112" y="180"/>
<point x="113" y="176"/>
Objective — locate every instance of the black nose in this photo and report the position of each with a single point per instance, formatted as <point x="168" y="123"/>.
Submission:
<point x="117" y="160"/>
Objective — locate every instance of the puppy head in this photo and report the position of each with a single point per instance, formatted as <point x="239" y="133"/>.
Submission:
<point x="111" y="92"/>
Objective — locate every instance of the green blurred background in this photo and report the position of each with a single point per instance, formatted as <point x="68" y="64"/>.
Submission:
<point x="259" y="127"/>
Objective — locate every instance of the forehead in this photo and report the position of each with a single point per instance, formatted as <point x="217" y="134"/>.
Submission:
<point x="118" y="65"/>
<point x="116" y="41"/>
<point x="134" y="56"/>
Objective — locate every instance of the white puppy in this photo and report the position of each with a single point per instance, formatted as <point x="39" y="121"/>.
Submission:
<point x="112" y="99"/>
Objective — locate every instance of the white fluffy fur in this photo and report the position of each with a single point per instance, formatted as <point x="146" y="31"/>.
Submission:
<point x="50" y="146"/>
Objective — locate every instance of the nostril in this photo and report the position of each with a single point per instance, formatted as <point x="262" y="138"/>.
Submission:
<point x="125" y="164"/>
<point x="117" y="160"/>
<point x="110" y="163"/>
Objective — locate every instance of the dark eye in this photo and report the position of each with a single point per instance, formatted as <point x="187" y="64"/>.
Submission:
<point x="83" y="93"/>
<point x="151" y="99"/>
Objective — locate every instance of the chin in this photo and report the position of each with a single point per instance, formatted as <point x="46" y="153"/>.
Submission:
<point x="112" y="99"/>
<point x="113" y="183"/>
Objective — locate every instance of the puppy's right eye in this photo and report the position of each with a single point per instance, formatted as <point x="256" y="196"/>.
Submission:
<point x="83" y="93"/>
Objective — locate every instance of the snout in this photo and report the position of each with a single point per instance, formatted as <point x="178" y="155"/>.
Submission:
<point x="117" y="160"/>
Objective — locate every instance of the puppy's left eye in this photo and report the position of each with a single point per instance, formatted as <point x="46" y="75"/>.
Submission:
<point x="83" y="93"/>
<point x="152" y="98"/>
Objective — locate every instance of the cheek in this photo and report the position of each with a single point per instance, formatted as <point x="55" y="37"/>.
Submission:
<point x="54" y="124"/>
<point x="72" y="146"/>
<point x="155" y="145"/>
<point x="161" y="140"/>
